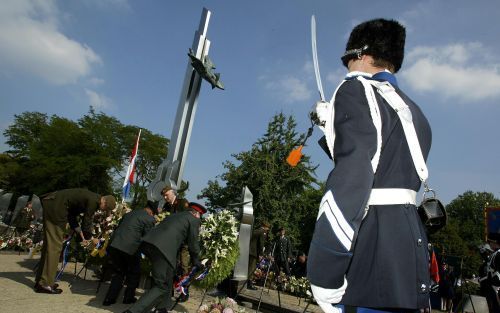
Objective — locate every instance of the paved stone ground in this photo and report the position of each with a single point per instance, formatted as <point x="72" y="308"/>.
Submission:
<point x="79" y="295"/>
<point x="273" y="301"/>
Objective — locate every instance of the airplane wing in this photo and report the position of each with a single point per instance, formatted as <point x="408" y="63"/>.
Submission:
<point x="208" y="63"/>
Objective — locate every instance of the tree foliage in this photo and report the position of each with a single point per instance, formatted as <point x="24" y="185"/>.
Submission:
<point x="465" y="230"/>
<point x="52" y="153"/>
<point x="282" y="195"/>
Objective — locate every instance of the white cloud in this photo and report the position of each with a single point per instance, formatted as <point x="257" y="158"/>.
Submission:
<point x="98" y="101"/>
<point x="464" y="72"/>
<point x="95" y="81"/>
<point x="290" y="89"/>
<point x="31" y="42"/>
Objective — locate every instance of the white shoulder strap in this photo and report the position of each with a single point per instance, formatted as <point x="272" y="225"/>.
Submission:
<point x="328" y="116"/>
<point x="387" y="91"/>
<point x="376" y="118"/>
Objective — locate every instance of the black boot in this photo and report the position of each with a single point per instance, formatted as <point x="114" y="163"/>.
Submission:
<point x="251" y="286"/>
<point x="129" y="296"/>
<point x="184" y="297"/>
<point x="108" y="302"/>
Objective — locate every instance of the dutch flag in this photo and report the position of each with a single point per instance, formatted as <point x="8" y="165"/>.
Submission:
<point x="129" y="178"/>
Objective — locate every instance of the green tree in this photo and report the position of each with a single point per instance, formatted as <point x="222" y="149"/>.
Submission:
<point x="465" y="229"/>
<point x="56" y="153"/>
<point x="468" y="210"/>
<point x="12" y="173"/>
<point x="25" y="132"/>
<point x="282" y="195"/>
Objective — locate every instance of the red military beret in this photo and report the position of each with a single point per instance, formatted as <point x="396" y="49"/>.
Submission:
<point x="198" y="207"/>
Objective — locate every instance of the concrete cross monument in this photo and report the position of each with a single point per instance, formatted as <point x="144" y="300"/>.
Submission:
<point x="170" y="172"/>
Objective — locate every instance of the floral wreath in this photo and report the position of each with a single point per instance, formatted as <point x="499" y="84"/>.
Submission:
<point x="220" y="245"/>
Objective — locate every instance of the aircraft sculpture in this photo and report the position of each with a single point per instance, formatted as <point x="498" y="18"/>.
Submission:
<point x="204" y="69"/>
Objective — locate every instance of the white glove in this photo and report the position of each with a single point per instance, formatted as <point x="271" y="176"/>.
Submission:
<point x="327" y="297"/>
<point x="320" y="109"/>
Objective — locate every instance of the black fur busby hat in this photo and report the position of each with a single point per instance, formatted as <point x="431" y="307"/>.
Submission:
<point x="383" y="39"/>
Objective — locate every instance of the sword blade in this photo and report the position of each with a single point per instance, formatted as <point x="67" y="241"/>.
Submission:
<point x="315" y="58"/>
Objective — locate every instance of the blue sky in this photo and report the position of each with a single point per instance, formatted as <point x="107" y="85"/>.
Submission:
<point x="128" y="60"/>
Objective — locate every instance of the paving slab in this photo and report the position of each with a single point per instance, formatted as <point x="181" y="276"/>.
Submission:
<point x="79" y="295"/>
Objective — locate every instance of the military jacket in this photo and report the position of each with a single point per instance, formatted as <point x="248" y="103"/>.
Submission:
<point x="24" y="218"/>
<point x="65" y="206"/>
<point x="133" y="226"/>
<point x="283" y="248"/>
<point x="381" y="250"/>
<point x="179" y="205"/>
<point x="170" y="234"/>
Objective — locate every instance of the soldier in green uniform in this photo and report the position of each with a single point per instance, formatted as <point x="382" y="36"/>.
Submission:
<point x="257" y="244"/>
<point x="59" y="208"/>
<point x="124" y="254"/>
<point x="161" y="245"/>
<point x="23" y="220"/>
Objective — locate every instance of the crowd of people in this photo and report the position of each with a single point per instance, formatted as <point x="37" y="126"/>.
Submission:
<point x="138" y="232"/>
<point x="274" y="256"/>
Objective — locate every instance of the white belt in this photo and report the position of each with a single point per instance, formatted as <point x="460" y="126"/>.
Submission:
<point x="388" y="196"/>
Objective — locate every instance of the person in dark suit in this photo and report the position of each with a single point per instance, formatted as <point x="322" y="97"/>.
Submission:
<point x="299" y="267"/>
<point x="283" y="252"/>
<point x="124" y="254"/>
<point x="257" y="244"/>
<point x="173" y="203"/>
<point x="161" y="246"/>
<point x="59" y="208"/>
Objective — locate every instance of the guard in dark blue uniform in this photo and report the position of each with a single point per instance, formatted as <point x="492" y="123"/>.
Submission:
<point x="369" y="248"/>
<point x="124" y="254"/>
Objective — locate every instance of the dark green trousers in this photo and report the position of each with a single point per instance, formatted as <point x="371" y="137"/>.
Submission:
<point x="252" y="265"/>
<point x="163" y="275"/>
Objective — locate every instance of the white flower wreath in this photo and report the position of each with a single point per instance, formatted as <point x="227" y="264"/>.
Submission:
<point x="219" y="238"/>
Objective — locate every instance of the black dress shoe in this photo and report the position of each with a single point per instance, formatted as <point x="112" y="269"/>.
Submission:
<point x="164" y="310"/>
<point x="251" y="287"/>
<point x="129" y="300"/>
<point x="108" y="302"/>
<point x="46" y="289"/>
<point x="183" y="298"/>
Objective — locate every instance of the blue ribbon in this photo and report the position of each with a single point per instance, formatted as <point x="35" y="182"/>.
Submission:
<point x="65" y="258"/>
